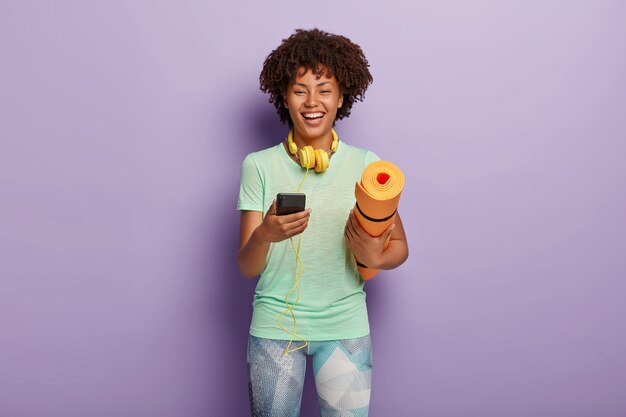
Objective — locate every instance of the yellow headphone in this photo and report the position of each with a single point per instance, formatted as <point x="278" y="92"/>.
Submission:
<point x="312" y="158"/>
<point x="308" y="158"/>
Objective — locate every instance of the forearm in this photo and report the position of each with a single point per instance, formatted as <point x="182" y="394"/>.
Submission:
<point x="251" y="257"/>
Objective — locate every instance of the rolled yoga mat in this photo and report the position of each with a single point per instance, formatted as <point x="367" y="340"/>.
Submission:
<point x="377" y="198"/>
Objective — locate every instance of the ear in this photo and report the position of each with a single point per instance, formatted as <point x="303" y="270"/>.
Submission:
<point x="340" y="101"/>
<point x="285" y="102"/>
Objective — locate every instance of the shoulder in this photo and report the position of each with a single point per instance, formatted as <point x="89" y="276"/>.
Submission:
<point x="259" y="157"/>
<point x="357" y="153"/>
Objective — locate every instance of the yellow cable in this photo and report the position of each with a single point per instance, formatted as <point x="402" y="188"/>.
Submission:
<point x="302" y="182"/>
<point x="296" y="288"/>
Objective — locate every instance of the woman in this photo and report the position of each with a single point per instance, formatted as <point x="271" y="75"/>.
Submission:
<point x="310" y="299"/>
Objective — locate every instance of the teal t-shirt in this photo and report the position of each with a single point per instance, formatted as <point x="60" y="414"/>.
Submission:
<point x="332" y="300"/>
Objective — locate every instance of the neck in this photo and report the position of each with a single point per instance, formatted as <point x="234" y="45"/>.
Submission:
<point x="317" y="142"/>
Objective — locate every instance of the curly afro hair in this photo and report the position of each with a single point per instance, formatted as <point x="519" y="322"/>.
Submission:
<point x="323" y="53"/>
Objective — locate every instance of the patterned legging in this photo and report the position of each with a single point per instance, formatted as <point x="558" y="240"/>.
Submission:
<point x="342" y="369"/>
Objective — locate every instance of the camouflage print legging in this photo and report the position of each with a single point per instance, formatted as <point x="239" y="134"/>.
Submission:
<point x="342" y="369"/>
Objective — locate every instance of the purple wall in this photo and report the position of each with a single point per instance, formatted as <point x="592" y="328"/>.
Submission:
<point x="123" y="127"/>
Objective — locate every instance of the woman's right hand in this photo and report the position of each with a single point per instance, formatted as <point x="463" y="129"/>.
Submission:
<point x="256" y="235"/>
<point x="278" y="228"/>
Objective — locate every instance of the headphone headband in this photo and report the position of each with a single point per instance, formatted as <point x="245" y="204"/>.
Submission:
<point x="313" y="158"/>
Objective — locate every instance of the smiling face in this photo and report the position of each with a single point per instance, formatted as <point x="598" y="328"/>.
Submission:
<point x="312" y="101"/>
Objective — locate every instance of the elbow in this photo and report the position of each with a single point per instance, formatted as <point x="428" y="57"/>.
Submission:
<point x="245" y="270"/>
<point x="406" y="256"/>
<point x="248" y="275"/>
<point x="400" y="255"/>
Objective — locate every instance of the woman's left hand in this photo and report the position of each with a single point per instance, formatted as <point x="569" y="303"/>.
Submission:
<point x="368" y="249"/>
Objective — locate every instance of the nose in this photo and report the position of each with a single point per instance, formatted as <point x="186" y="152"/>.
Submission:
<point x="311" y="100"/>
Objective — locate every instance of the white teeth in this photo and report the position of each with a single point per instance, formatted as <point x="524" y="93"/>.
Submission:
<point x="312" y="115"/>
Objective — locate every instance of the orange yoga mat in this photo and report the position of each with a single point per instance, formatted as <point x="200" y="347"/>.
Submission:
<point x="377" y="198"/>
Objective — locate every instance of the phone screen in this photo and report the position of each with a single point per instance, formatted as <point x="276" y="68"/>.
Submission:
<point x="287" y="203"/>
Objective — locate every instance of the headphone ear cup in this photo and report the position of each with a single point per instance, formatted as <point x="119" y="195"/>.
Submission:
<point x="293" y="148"/>
<point x="335" y="144"/>
<point x="321" y="160"/>
<point x="307" y="157"/>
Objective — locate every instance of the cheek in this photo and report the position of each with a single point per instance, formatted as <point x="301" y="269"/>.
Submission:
<point x="293" y="102"/>
<point x="286" y="102"/>
<point x="337" y="102"/>
<point x="294" y="114"/>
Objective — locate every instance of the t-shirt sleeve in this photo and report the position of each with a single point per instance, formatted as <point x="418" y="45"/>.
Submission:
<point x="371" y="157"/>
<point x="251" y="186"/>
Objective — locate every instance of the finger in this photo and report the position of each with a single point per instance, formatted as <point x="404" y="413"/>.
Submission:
<point x="299" y="230"/>
<point x="304" y="213"/>
<point x="356" y="227"/>
<point x="272" y="209"/>
<point x="348" y="221"/>
<point x="289" y="218"/>
<point x="289" y="221"/>
<point x="298" y="223"/>
<point x="388" y="231"/>
<point x="349" y="217"/>
<point x="349" y="233"/>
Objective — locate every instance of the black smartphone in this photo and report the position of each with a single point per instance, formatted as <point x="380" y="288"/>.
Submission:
<point x="287" y="203"/>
